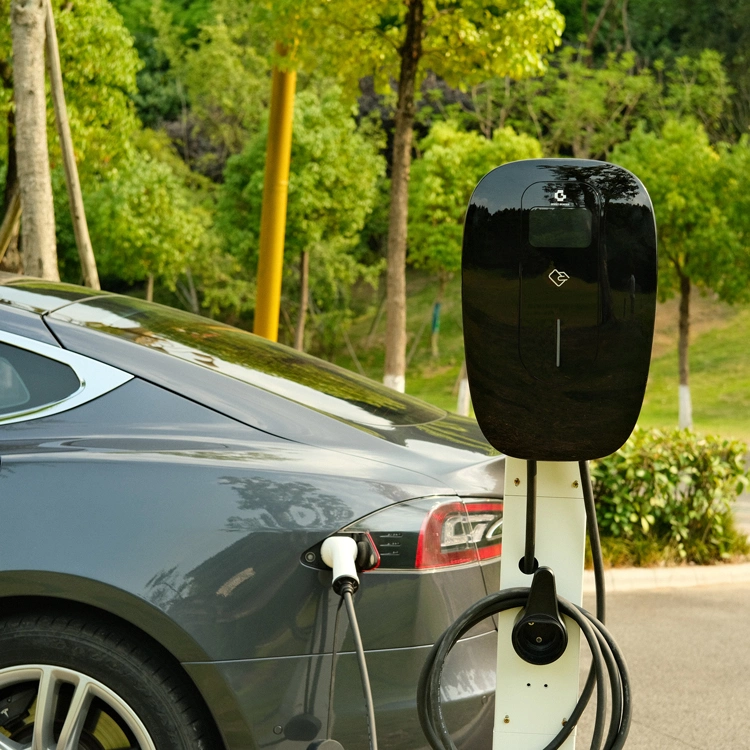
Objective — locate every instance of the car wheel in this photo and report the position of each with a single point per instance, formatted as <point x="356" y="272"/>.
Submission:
<point x="68" y="683"/>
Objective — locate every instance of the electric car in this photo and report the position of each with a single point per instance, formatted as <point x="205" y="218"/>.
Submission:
<point x="166" y="483"/>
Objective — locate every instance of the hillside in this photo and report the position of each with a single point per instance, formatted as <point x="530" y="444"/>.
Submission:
<point x="719" y="358"/>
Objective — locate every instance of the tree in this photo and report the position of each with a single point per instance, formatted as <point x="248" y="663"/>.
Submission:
<point x="223" y="77"/>
<point x="144" y="223"/>
<point x="32" y="154"/>
<point x="584" y="111"/>
<point x="99" y="66"/>
<point x="452" y="162"/>
<point x="699" y="195"/>
<point x="332" y="189"/>
<point x="462" y="43"/>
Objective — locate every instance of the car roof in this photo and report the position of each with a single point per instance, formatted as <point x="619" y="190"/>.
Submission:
<point x="217" y="347"/>
<point x="41" y="296"/>
<point x="283" y="392"/>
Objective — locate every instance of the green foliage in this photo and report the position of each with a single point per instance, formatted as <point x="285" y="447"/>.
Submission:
<point x="463" y="43"/>
<point x="99" y="67"/>
<point x="585" y="110"/>
<point x="189" y="16"/>
<point x="698" y="87"/>
<point x="442" y="180"/>
<point x="333" y="185"/>
<point x="672" y="490"/>
<point x="669" y="29"/>
<point x="222" y="74"/>
<point x="144" y="222"/>
<point x="693" y="187"/>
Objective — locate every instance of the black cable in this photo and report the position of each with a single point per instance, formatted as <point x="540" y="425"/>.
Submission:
<point x="334" y="660"/>
<point x="596" y="545"/>
<point x="608" y="664"/>
<point x="346" y="594"/>
<point x="528" y="558"/>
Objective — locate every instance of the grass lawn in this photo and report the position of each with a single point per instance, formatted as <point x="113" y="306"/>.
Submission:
<point x="719" y="358"/>
<point x="719" y="380"/>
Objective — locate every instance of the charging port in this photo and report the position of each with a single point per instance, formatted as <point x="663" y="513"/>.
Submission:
<point x="367" y="554"/>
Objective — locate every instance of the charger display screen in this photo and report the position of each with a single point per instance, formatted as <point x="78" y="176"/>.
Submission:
<point x="560" y="227"/>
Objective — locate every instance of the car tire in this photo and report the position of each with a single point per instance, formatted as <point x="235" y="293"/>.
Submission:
<point x="97" y="683"/>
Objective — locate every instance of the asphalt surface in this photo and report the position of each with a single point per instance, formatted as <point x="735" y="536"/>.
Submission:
<point x="688" y="652"/>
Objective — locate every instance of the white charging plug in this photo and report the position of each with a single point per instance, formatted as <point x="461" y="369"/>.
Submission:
<point x="339" y="553"/>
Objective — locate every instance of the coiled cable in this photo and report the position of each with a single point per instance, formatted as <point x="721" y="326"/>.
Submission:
<point x="608" y="664"/>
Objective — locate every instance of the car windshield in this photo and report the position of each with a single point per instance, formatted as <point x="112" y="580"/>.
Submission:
<point x="241" y="355"/>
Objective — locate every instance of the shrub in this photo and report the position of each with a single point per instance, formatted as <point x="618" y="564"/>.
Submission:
<point x="667" y="496"/>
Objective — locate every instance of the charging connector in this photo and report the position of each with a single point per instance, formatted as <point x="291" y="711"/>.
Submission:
<point x="339" y="553"/>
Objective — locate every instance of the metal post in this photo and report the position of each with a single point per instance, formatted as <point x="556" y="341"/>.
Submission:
<point x="532" y="702"/>
<point x="273" y="213"/>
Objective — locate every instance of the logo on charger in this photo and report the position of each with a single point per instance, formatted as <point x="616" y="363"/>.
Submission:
<point x="558" y="278"/>
<point x="560" y="196"/>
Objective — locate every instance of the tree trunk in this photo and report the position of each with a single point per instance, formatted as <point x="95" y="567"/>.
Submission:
<point x="12" y="262"/>
<point x="150" y="288"/>
<point x="38" y="229"/>
<point x="595" y="29"/>
<point x="10" y="257"/>
<point x="9" y="233"/>
<point x="395" y="336"/>
<point x="192" y="292"/>
<point x="75" y="199"/>
<point x="686" y="407"/>
<point x="304" y="285"/>
<point x="11" y="173"/>
<point x="626" y="26"/>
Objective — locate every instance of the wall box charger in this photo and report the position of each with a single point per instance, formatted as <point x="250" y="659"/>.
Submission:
<point x="559" y="298"/>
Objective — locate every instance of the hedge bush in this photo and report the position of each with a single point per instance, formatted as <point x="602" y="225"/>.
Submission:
<point x="667" y="497"/>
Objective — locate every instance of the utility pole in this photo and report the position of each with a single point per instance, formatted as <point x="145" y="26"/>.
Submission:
<point x="275" y="193"/>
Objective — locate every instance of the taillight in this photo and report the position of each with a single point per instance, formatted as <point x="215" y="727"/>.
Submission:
<point x="486" y="520"/>
<point x="430" y="533"/>
<point x="460" y="532"/>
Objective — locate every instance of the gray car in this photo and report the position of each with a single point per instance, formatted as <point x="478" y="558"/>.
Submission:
<point x="166" y="483"/>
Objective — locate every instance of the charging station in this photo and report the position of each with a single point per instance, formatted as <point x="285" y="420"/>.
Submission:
<point x="532" y="702"/>
<point x="559" y="300"/>
<point x="559" y="272"/>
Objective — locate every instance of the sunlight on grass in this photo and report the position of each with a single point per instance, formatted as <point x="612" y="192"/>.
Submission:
<point x="719" y="381"/>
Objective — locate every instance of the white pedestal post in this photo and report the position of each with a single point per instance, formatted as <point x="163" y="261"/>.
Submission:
<point x="532" y="702"/>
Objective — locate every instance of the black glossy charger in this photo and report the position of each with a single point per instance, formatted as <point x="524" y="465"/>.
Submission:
<point x="559" y="298"/>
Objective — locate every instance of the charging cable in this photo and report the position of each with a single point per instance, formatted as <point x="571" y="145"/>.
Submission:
<point x="339" y="553"/>
<point x="608" y="664"/>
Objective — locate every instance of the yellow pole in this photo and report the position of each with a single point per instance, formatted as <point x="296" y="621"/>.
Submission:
<point x="273" y="212"/>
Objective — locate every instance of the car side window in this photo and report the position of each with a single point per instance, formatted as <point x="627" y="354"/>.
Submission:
<point x="29" y="381"/>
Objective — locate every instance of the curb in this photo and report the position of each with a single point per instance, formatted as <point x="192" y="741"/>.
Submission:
<point x="647" y="579"/>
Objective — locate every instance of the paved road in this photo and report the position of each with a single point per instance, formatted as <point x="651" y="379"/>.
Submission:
<point x="688" y="651"/>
